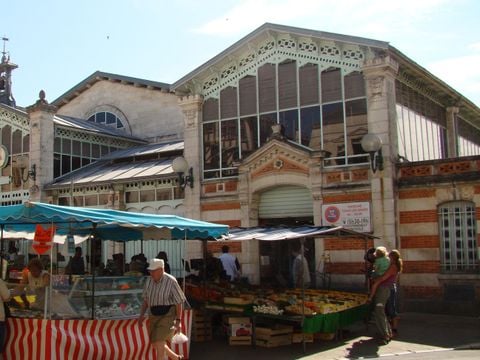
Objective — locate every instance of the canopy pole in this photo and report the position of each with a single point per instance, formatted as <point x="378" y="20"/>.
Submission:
<point x="92" y="266"/>
<point x="182" y="260"/>
<point x="304" y="260"/>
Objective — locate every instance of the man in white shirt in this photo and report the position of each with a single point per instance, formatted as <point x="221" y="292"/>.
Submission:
<point x="230" y="264"/>
<point x="301" y="273"/>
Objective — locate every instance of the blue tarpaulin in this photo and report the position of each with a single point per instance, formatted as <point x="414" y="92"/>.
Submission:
<point x="105" y="223"/>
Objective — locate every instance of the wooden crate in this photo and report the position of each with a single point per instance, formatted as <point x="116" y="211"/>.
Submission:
<point x="277" y="335"/>
<point x="299" y="337"/>
<point x="201" y="327"/>
<point x="240" y="340"/>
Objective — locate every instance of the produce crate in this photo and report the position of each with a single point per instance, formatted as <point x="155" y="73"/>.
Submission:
<point x="324" y="336"/>
<point x="201" y="327"/>
<point x="237" y="320"/>
<point x="300" y="337"/>
<point x="240" y="340"/>
<point x="278" y="335"/>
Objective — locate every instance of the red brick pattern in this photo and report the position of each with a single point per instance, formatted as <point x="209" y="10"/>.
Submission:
<point x="333" y="177"/>
<point x="422" y="241"/>
<point x="476" y="189"/>
<point x="421" y="267"/>
<point x="231" y="186"/>
<point x="220" y="206"/>
<point x="416" y="193"/>
<point x="414" y="171"/>
<point x="358" y="175"/>
<point x="347" y="268"/>
<point x="231" y="223"/>
<point x="210" y="188"/>
<point x="418" y="216"/>
<point x="347" y="244"/>
<point x="216" y="246"/>
<point x="337" y="198"/>
<point x="455" y="167"/>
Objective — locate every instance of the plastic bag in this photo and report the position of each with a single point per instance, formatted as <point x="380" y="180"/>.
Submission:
<point x="179" y="338"/>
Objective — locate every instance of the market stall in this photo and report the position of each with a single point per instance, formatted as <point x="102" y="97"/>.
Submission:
<point x="94" y="300"/>
<point x="313" y="311"/>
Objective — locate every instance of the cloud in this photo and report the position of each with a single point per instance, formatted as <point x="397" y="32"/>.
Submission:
<point x="372" y="16"/>
<point x="462" y="73"/>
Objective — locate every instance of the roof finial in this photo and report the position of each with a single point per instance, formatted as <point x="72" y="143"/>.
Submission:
<point x="4" y="52"/>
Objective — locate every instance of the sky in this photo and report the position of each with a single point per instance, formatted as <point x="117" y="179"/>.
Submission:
<point x="58" y="43"/>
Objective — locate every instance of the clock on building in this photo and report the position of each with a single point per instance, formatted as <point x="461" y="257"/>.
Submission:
<point x="3" y="156"/>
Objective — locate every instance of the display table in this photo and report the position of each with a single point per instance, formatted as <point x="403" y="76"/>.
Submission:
<point x="90" y="339"/>
<point x="331" y="323"/>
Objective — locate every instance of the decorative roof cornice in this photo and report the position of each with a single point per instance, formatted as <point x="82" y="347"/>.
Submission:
<point x="103" y="76"/>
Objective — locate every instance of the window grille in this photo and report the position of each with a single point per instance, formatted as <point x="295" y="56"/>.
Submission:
<point x="458" y="237"/>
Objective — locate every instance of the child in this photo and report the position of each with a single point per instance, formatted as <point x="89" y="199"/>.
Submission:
<point x="381" y="263"/>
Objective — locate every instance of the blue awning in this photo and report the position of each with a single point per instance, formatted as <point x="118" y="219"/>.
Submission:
<point x="105" y="223"/>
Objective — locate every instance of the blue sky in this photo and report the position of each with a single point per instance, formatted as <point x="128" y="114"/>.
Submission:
<point x="58" y="43"/>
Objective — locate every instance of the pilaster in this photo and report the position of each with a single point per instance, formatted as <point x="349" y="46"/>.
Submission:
<point x="192" y="115"/>
<point x="42" y="134"/>
<point x="452" y="146"/>
<point x="380" y="74"/>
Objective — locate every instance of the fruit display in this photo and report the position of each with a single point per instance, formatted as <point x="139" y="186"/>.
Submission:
<point x="308" y="302"/>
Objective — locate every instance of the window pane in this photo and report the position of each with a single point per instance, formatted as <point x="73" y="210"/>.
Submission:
<point x="289" y="122"/>
<point x="267" y="88"/>
<point x="111" y="118"/>
<point x="266" y="122"/>
<point x="333" y="131"/>
<point x="356" y="119"/>
<point x="309" y="87"/>
<point x="331" y="85"/>
<point x="354" y="85"/>
<point x="86" y="149"/>
<point x="210" y="109"/>
<point x="211" y="156"/>
<point x="228" y="102"/>
<point x="310" y="125"/>
<point x="17" y="142"/>
<point x="287" y="85"/>
<point x="229" y="142"/>
<point x="249" y="135"/>
<point x="248" y="95"/>
<point x="66" y="146"/>
<point x="76" y="147"/>
<point x="100" y="118"/>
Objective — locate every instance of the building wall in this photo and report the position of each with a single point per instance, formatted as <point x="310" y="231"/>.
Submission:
<point x="153" y="115"/>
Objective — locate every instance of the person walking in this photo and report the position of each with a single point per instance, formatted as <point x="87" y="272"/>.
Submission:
<point x="163" y="255"/>
<point x="300" y="270"/>
<point x="230" y="264"/>
<point x="380" y="294"/>
<point x="164" y="299"/>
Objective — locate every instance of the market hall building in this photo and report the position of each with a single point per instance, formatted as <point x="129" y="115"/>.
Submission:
<point x="272" y="128"/>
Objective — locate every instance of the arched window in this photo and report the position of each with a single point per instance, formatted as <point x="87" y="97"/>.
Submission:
<point x="458" y="236"/>
<point x="108" y="119"/>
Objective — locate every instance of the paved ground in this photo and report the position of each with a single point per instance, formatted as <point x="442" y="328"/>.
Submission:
<point x="418" y="332"/>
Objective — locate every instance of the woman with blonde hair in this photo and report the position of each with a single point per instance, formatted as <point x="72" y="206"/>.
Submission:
<point x="380" y="294"/>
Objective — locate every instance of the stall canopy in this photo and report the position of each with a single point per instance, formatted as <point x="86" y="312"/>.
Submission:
<point x="284" y="233"/>
<point x="105" y="223"/>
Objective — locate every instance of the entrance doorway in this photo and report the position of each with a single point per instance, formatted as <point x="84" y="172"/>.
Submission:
<point x="276" y="257"/>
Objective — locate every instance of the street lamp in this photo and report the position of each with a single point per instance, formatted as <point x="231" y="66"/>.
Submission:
<point x="184" y="172"/>
<point x="372" y="144"/>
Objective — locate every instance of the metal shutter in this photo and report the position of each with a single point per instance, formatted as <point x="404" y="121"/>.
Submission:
<point x="285" y="201"/>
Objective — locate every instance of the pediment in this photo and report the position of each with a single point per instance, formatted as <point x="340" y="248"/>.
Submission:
<point x="277" y="156"/>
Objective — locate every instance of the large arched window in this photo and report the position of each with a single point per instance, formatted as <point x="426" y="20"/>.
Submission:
<point x="107" y="118"/>
<point x="458" y="236"/>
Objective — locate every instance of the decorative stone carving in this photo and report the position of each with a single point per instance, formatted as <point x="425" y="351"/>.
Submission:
<point x="375" y="86"/>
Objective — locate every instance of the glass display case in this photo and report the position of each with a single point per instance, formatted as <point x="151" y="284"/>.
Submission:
<point x="82" y="297"/>
<point x="112" y="297"/>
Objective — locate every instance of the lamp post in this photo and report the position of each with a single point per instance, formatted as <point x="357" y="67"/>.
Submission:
<point x="372" y="144"/>
<point x="185" y="173"/>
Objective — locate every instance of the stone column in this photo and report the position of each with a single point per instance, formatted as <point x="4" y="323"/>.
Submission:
<point x="42" y="134"/>
<point x="452" y="148"/>
<point x="192" y="111"/>
<point x="380" y="76"/>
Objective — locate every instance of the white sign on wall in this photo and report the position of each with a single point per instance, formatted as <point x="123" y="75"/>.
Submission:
<point x="354" y="216"/>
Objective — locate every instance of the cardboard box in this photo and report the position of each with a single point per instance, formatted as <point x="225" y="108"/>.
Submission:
<point x="240" y="330"/>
